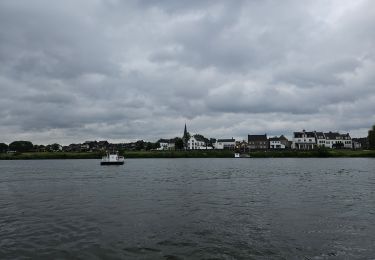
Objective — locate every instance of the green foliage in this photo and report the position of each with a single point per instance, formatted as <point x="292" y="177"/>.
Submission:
<point x="150" y="146"/>
<point x="55" y="147"/>
<point x="312" y="153"/>
<point x="179" y="143"/>
<point x="50" y="155"/>
<point x="139" y="145"/>
<point x="21" y="146"/>
<point x="180" y="154"/>
<point x="189" y="154"/>
<point x="3" y="148"/>
<point x="322" y="151"/>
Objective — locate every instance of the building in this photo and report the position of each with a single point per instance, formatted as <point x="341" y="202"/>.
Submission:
<point x="257" y="142"/>
<point x="347" y="141"/>
<point x="310" y="140"/>
<point x="198" y="142"/>
<point x="320" y="139"/>
<point x="360" y="143"/>
<point x="242" y="146"/>
<point x="338" y="141"/>
<point x="166" y="144"/>
<point x="185" y="138"/>
<point x="304" y="140"/>
<point x="227" y="144"/>
<point x="278" y="142"/>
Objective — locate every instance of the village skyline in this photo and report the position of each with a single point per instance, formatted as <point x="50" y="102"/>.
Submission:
<point x="300" y="140"/>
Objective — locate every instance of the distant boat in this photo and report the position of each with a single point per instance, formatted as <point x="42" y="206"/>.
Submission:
<point x="241" y="155"/>
<point x="112" y="159"/>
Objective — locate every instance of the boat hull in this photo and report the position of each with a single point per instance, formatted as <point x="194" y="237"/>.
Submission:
<point x="112" y="163"/>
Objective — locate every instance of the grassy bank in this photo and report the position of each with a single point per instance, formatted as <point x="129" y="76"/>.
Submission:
<point x="312" y="154"/>
<point x="180" y="154"/>
<point x="127" y="154"/>
<point x="48" y="155"/>
<point x="190" y="154"/>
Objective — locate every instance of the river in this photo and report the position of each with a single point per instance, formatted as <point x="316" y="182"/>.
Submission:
<point x="188" y="209"/>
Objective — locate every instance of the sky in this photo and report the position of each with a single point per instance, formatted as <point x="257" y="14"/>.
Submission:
<point x="78" y="70"/>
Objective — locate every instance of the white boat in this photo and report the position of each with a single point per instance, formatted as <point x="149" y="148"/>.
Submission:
<point x="112" y="159"/>
<point x="241" y="155"/>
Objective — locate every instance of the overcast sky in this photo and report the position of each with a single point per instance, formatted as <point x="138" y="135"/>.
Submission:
<point x="77" y="70"/>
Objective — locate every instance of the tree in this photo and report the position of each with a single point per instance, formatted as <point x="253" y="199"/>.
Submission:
<point x="139" y="145"/>
<point x="371" y="137"/>
<point x="21" y="146"/>
<point x="151" y="146"/>
<point x="3" y="148"/>
<point x="55" y="147"/>
<point x="178" y="143"/>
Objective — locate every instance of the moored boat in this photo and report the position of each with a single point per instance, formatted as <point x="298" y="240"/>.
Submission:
<point x="112" y="159"/>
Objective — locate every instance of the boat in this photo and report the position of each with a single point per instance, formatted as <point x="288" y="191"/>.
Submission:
<point x="112" y="159"/>
<point x="241" y="155"/>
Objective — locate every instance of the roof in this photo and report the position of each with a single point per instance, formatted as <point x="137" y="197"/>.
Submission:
<point x="300" y="134"/>
<point x="320" y="135"/>
<point x="255" y="138"/>
<point x="331" y="135"/>
<point x="199" y="138"/>
<point x="310" y="134"/>
<point x="282" y="137"/>
<point x="226" y="140"/>
<point x="345" y="135"/>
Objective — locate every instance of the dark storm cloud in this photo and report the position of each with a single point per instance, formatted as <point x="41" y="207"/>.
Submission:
<point x="122" y="70"/>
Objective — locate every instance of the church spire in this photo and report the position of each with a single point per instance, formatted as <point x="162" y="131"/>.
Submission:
<point x="185" y="137"/>
<point x="185" y="131"/>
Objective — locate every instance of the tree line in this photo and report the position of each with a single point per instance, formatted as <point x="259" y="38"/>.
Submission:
<point x="18" y="146"/>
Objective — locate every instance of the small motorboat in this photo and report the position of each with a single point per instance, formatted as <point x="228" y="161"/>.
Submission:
<point x="241" y="155"/>
<point x="112" y="159"/>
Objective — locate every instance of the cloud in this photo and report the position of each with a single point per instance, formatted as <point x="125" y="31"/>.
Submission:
<point x="127" y="70"/>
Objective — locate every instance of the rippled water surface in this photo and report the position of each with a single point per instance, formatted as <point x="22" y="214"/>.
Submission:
<point x="188" y="209"/>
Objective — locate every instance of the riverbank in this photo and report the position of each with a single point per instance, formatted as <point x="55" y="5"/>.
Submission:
<point x="189" y="154"/>
<point x="313" y="154"/>
<point x="49" y="155"/>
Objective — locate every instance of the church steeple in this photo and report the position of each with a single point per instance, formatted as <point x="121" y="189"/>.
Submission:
<point x="185" y="131"/>
<point x="185" y="137"/>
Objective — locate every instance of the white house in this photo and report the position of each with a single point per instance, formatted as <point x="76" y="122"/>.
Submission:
<point x="304" y="140"/>
<point x="196" y="142"/>
<point x="228" y="144"/>
<point x="320" y="139"/>
<point x="276" y="143"/>
<point x="337" y="140"/>
<point x="347" y="140"/>
<point x="166" y="144"/>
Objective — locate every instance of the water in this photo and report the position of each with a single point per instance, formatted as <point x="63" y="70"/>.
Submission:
<point x="188" y="209"/>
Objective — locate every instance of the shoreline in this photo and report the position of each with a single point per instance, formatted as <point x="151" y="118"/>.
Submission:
<point x="193" y="154"/>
